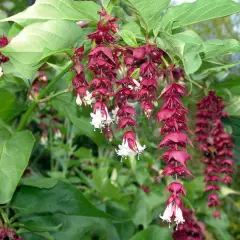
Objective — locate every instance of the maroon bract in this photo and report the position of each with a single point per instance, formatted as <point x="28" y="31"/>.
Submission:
<point x="216" y="144"/>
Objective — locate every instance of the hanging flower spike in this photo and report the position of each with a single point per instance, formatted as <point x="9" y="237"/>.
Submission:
<point x="173" y="116"/>
<point x="130" y="146"/>
<point x="217" y="147"/>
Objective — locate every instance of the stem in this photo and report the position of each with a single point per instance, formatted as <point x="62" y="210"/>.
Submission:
<point x="27" y="114"/>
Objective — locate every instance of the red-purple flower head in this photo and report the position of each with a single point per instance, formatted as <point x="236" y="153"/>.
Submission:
<point x="216" y="144"/>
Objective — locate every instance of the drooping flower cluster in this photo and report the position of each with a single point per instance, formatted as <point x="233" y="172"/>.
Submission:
<point x="216" y="144"/>
<point x="3" y="43"/>
<point x="191" y="229"/>
<point x="174" y="128"/>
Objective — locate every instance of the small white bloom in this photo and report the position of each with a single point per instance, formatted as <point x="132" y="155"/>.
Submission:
<point x="97" y="119"/>
<point x="79" y="100"/>
<point x="57" y="134"/>
<point x="88" y="99"/>
<point x="140" y="148"/>
<point x="168" y="213"/>
<point x="124" y="150"/>
<point x="44" y="140"/>
<point x="178" y="216"/>
<point x="1" y="72"/>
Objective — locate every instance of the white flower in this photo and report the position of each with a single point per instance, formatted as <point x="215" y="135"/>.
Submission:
<point x="57" y="134"/>
<point x="124" y="150"/>
<point x="114" y="114"/>
<point x="44" y="140"/>
<point x="79" y="100"/>
<point x="178" y="216"/>
<point x="88" y="99"/>
<point x="172" y="210"/>
<point x="1" y="72"/>
<point x="100" y="120"/>
<point x="168" y="213"/>
<point x="97" y="119"/>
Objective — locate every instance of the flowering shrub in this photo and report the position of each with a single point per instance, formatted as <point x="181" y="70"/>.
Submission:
<point x="98" y="106"/>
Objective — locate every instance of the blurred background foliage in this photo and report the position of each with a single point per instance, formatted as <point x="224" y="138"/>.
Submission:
<point x="128" y="196"/>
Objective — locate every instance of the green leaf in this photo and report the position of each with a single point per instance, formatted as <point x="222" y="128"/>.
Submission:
<point x="108" y="4"/>
<point x="129" y="38"/>
<point x="7" y="102"/>
<point x="233" y="108"/>
<point x="63" y="204"/>
<point x="14" y="30"/>
<point x="5" y="130"/>
<point x="135" y="28"/>
<point x="141" y="210"/>
<point x="198" y="11"/>
<point x="14" y="156"/>
<point x="35" y="43"/>
<point x="219" y="226"/>
<point x="153" y="233"/>
<point x="42" y="182"/>
<point x="149" y="13"/>
<point x="216" y="47"/>
<point x="44" y="10"/>
<point x="4" y="27"/>
<point x="63" y="198"/>
<point x="103" y="184"/>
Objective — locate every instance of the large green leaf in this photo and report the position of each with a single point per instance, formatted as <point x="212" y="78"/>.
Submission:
<point x="148" y="12"/>
<point x="70" y="10"/>
<point x="14" y="156"/>
<point x="7" y="104"/>
<point x="153" y="233"/>
<point x="104" y="185"/>
<point x="216" y="47"/>
<point x="198" y="11"/>
<point x="65" y="206"/>
<point x="5" y="130"/>
<point x="35" y="43"/>
<point x="193" y="51"/>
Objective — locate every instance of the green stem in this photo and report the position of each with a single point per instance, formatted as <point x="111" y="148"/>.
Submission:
<point x="27" y="114"/>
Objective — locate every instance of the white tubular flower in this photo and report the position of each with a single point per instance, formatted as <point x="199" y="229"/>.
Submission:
<point x="79" y="100"/>
<point x="88" y="99"/>
<point x="97" y="119"/>
<point x="124" y="150"/>
<point x="168" y="213"/>
<point x="107" y="117"/>
<point x="178" y="216"/>
<point x="130" y="146"/>
<point x="44" y="140"/>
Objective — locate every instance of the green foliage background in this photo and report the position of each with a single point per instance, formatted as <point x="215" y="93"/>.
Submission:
<point x="78" y="189"/>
